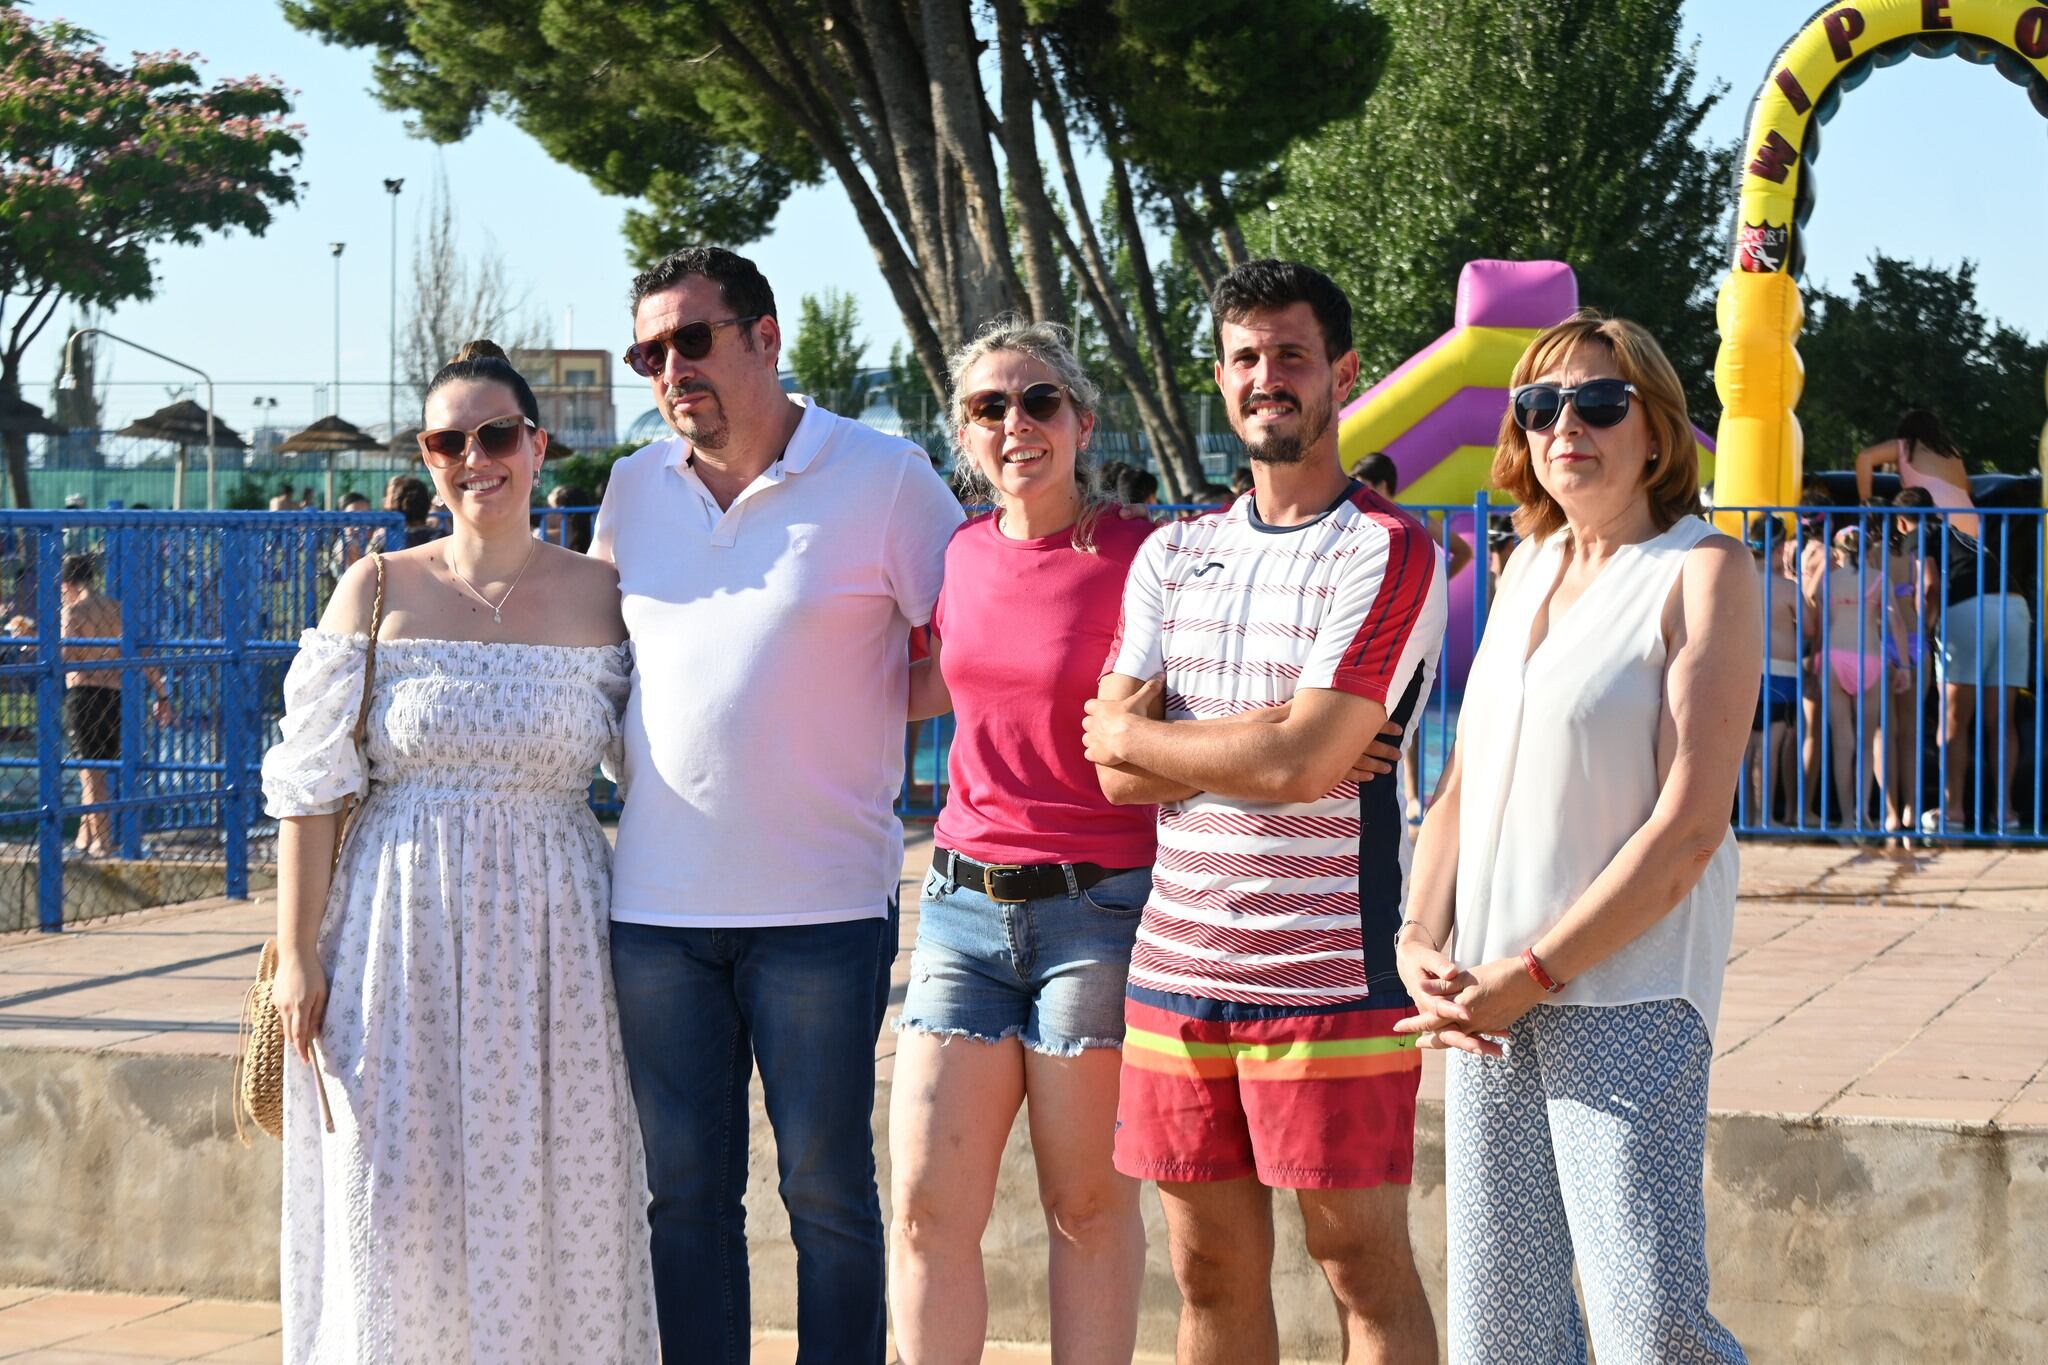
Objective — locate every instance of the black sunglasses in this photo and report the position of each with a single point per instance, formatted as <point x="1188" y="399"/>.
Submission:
<point x="1599" y="403"/>
<point x="445" y="447"/>
<point x="1041" y="403"/>
<point x="691" y="342"/>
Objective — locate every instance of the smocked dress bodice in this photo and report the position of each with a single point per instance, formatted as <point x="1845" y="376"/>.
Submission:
<point x="446" y="716"/>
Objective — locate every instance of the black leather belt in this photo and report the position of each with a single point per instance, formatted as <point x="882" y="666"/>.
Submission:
<point x="1011" y="883"/>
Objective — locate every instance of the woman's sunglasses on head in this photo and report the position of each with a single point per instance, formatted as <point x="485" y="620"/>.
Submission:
<point x="445" y="447"/>
<point x="1041" y="403"/>
<point x="1599" y="403"/>
<point x="692" y="342"/>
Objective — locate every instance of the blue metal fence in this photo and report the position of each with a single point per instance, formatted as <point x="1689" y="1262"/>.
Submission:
<point x="212" y="605"/>
<point x="1963" y="756"/>
<point x="1912" y="698"/>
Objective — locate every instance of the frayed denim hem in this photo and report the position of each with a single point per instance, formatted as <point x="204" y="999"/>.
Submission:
<point x="1075" y="1048"/>
<point x="947" y="1035"/>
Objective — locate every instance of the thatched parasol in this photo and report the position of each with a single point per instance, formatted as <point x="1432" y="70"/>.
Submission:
<point x="20" y="415"/>
<point x="185" y="423"/>
<point x="328" y="436"/>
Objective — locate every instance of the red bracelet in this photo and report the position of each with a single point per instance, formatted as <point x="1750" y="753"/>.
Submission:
<point x="1534" y="966"/>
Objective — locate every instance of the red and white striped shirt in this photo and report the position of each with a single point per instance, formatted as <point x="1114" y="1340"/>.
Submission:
<point x="1261" y="902"/>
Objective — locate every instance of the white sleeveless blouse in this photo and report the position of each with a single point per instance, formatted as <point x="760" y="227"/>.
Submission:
<point x="1560" y="770"/>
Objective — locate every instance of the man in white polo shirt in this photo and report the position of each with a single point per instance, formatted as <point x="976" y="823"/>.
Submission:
<point x="773" y="558"/>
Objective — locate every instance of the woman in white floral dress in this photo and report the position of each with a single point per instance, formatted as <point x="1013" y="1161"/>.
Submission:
<point x="483" y="1195"/>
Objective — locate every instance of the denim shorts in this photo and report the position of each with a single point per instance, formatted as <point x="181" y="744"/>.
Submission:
<point x="1049" y="972"/>
<point x="2001" y="657"/>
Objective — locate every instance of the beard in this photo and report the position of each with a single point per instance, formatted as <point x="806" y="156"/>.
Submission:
<point x="1311" y="422"/>
<point x="706" y="428"/>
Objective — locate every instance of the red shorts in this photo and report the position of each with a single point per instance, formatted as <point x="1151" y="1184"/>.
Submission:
<point x="1318" y="1100"/>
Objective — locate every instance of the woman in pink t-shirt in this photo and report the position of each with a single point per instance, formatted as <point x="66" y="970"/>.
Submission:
<point x="1027" y="919"/>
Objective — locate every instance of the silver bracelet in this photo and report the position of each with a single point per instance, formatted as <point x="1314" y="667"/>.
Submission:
<point x="1434" y="945"/>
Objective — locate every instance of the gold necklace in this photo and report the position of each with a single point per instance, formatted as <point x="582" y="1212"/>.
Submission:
<point x="498" y="607"/>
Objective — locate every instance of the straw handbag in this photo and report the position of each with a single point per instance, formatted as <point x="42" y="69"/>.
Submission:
<point x="259" y="1069"/>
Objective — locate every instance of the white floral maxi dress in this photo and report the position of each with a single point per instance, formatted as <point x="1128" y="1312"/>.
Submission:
<point x="484" y="1195"/>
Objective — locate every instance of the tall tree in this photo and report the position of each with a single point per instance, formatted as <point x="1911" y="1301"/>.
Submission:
<point x="1913" y="336"/>
<point x="457" y="298"/>
<point x="100" y="162"/>
<point x="1563" y="131"/>
<point x="711" y="113"/>
<point x="825" y="356"/>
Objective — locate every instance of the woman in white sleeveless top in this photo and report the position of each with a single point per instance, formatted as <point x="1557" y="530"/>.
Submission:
<point x="1574" y="886"/>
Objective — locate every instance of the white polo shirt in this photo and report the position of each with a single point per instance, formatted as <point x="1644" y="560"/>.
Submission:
<point x="764" y="735"/>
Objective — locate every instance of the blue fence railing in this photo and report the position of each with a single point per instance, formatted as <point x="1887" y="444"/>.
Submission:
<point x="1903" y="698"/>
<point x="1903" y="692"/>
<point x="136" y="735"/>
<point x="1946" y="744"/>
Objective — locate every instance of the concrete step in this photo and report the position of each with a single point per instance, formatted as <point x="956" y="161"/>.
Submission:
<point x="1877" y="1167"/>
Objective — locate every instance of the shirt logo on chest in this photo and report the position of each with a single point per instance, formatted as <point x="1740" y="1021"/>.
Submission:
<point x="1212" y="564"/>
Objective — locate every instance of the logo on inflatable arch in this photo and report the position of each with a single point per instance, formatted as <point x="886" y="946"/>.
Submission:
<point x="1761" y="247"/>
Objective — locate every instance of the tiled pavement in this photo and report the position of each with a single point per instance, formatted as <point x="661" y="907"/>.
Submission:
<point x="1860" y="986"/>
<point x="49" y="1327"/>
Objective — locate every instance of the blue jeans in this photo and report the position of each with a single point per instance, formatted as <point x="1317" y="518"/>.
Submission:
<point x="698" y="1010"/>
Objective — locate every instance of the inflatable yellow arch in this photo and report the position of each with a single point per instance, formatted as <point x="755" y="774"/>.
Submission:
<point x="1758" y="373"/>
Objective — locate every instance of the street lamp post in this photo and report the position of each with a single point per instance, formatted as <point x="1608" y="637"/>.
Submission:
<point x="392" y="187"/>
<point x="337" y="248"/>
<point x="178" y="475"/>
<point x="264" y="438"/>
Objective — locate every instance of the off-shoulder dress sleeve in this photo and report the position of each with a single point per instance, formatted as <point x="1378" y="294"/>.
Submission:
<point x="315" y="764"/>
<point x="615" y="681"/>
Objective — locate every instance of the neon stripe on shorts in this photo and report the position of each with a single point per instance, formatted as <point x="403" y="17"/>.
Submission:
<point x="1299" y="1059"/>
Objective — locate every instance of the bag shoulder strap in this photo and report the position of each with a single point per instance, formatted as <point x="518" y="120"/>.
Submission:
<point x="370" y="654"/>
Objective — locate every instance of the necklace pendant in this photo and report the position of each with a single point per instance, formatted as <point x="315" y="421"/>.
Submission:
<point x="498" y="615"/>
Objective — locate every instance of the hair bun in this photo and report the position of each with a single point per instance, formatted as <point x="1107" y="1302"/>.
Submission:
<point x="483" y="348"/>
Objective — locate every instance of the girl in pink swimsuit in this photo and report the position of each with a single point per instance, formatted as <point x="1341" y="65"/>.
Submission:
<point x="1857" y="610"/>
<point x="1926" y="457"/>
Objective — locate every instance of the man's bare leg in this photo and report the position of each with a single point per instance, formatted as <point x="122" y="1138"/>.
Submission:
<point x="1220" y="1236"/>
<point x="1360" y="1239"/>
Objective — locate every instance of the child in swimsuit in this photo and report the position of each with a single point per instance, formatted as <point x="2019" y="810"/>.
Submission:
<point x="1913" y="542"/>
<point x="1926" y="458"/>
<point x="1853" y="619"/>
<point x="1778" y="697"/>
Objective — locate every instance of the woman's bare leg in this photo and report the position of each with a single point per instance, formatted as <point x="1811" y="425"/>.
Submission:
<point x="1092" y="1215"/>
<point x="951" y="1104"/>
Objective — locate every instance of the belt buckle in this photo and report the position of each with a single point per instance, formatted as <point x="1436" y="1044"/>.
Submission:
<point x="988" y="882"/>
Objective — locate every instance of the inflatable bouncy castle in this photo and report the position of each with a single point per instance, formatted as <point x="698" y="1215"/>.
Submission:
<point x="1438" y="414"/>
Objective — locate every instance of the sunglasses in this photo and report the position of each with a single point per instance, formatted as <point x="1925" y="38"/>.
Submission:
<point x="1041" y="403"/>
<point x="692" y="342"/>
<point x="1599" y="403"/>
<point x="445" y="447"/>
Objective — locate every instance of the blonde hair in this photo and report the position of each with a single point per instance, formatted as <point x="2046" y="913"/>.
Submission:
<point x="1051" y="345"/>
<point x="1672" y="483"/>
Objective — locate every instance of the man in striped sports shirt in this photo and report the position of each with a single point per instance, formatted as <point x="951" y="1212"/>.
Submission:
<point x="1259" y="1049"/>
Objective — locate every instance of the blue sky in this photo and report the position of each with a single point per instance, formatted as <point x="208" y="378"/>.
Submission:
<point x="1933" y="160"/>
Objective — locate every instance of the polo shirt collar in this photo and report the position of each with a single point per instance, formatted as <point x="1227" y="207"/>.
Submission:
<point x="805" y="442"/>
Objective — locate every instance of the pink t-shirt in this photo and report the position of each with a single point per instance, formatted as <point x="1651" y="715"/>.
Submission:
<point x="1024" y="626"/>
